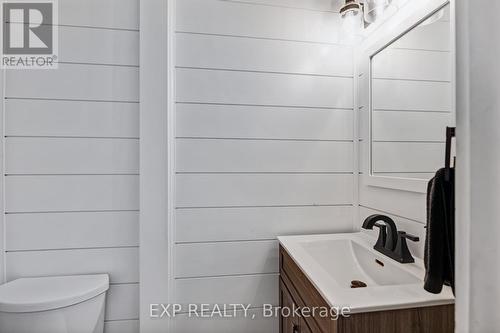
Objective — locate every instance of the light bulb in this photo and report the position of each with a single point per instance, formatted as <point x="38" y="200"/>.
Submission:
<point x="352" y="22"/>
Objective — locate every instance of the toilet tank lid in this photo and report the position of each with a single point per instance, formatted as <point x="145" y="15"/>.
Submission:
<point x="49" y="293"/>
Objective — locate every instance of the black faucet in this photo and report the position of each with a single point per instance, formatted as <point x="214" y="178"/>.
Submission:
<point x="388" y="231"/>
<point x="390" y="242"/>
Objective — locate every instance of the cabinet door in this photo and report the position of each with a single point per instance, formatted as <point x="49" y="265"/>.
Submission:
<point x="288" y="324"/>
<point x="304" y="328"/>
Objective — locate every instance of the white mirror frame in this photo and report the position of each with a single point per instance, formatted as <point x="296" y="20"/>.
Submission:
<point x="408" y="17"/>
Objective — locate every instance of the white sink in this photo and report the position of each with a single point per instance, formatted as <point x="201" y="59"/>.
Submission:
<point x="357" y="262"/>
<point x="331" y="262"/>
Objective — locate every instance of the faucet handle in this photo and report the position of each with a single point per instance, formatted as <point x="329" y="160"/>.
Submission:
<point x="401" y="251"/>
<point x="408" y="236"/>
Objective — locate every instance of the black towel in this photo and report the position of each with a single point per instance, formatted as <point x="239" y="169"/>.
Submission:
<point x="439" y="257"/>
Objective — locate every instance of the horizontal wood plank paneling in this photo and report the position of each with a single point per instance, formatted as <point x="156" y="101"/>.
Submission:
<point x="75" y="81"/>
<point x="321" y="5"/>
<point x="411" y="95"/>
<point x="230" y="87"/>
<point x="263" y="190"/>
<point x="222" y="224"/>
<point x="226" y="52"/>
<point x="226" y="258"/>
<point x="120" y="263"/>
<point x="121" y="326"/>
<point x="122" y="302"/>
<point x="195" y="155"/>
<point x="412" y="65"/>
<point x="111" y="14"/>
<point x="246" y="19"/>
<point x="71" y="118"/>
<point x="409" y="126"/>
<point x="264" y="131"/>
<point x="254" y="322"/>
<point x="407" y="156"/>
<point x="71" y="156"/>
<point x="71" y="193"/>
<point x="234" y="121"/>
<point x="435" y="37"/>
<point x="98" y="46"/>
<point x="115" y="14"/>
<point x="81" y="119"/>
<point x="71" y="230"/>
<point x="402" y="203"/>
<point x="248" y="289"/>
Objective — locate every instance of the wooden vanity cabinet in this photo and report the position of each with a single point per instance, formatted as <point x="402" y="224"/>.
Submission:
<point x="291" y="324"/>
<point x="288" y="324"/>
<point x="296" y="290"/>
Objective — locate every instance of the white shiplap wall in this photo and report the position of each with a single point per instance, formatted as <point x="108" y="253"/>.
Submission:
<point x="72" y="157"/>
<point x="264" y="146"/>
<point x="412" y="104"/>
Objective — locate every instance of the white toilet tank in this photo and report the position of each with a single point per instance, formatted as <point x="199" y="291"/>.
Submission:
<point x="58" y="304"/>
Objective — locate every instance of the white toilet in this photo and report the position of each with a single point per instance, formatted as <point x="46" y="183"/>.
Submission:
<point x="58" y="304"/>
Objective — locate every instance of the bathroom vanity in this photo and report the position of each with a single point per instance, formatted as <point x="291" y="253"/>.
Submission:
<point x="316" y="272"/>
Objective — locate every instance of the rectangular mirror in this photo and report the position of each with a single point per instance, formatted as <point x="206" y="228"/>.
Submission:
<point x="412" y="100"/>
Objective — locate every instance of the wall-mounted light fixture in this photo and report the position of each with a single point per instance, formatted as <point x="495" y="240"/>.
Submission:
<point x="352" y="15"/>
<point x="356" y="13"/>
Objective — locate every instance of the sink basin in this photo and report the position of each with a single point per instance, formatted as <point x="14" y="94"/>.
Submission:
<point x="357" y="262"/>
<point x="332" y="262"/>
